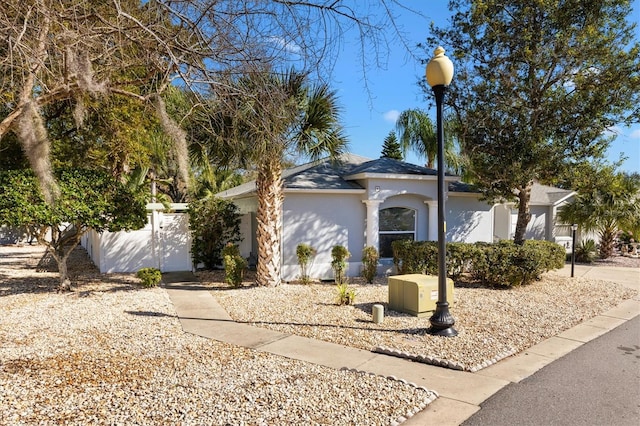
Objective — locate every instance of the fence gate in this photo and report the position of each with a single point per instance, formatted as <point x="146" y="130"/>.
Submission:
<point x="175" y="244"/>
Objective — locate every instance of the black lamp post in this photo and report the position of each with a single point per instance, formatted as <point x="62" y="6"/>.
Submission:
<point x="574" y="227"/>
<point x="439" y="75"/>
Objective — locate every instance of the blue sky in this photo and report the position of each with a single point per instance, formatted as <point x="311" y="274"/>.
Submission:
<point x="370" y="110"/>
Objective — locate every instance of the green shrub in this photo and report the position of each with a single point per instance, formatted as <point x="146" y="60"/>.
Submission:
<point x="305" y="254"/>
<point x="213" y="222"/>
<point x="339" y="256"/>
<point x="492" y="262"/>
<point x="149" y="277"/>
<point x="550" y="255"/>
<point x="415" y="257"/>
<point x="586" y="251"/>
<point x="345" y="295"/>
<point x="460" y="259"/>
<point x="370" y="258"/>
<point x="527" y="264"/>
<point x="479" y="261"/>
<point x="421" y="257"/>
<point x="502" y="263"/>
<point x="234" y="265"/>
<point x="506" y="263"/>
<point x="626" y="237"/>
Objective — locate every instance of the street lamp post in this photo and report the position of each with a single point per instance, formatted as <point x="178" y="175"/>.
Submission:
<point x="439" y="74"/>
<point x="574" y="228"/>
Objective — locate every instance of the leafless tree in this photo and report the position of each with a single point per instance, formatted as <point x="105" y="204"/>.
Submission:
<point x="54" y="50"/>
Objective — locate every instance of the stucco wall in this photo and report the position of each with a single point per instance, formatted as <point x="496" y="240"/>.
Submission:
<point x="246" y="205"/>
<point x="91" y="242"/>
<point x="384" y="188"/>
<point x="468" y="219"/>
<point x="323" y="221"/>
<point x="537" y="227"/>
<point x="249" y="245"/>
<point x="502" y="222"/>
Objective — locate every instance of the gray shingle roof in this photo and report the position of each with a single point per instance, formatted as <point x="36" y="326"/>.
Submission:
<point x="463" y="187"/>
<point x="321" y="174"/>
<point x="548" y="195"/>
<point x="327" y="175"/>
<point x="540" y="194"/>
<point x="391" y="166"/>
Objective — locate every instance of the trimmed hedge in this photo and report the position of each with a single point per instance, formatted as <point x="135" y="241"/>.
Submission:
<point x="503" y="263"/>
<point x="415" y="257"/>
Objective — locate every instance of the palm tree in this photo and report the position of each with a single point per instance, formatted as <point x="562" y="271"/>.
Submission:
<point x="260" y="119"/>
<point x="211" y="175"/>
<point x="418" y="133"/>
<point x="606" y="208"/>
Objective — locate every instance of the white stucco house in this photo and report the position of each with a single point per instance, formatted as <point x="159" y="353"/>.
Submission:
<point x="361" y="202"/>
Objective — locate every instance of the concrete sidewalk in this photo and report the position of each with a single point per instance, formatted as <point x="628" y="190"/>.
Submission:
<point x="461" y="393"/>
<point x="628" y="277"/>
<point x="596" y="384"/>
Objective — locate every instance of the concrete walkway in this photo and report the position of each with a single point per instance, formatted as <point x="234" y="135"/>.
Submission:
<point x="461" y="393"/>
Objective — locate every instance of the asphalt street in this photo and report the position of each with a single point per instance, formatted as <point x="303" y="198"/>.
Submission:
<point x="597" y="384"/>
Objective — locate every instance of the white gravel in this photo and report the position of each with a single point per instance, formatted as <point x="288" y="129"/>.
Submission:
<point x="491" y="323"/>
<point x="112" y="353"/>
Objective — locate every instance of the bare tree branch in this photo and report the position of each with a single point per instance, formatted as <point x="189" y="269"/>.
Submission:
<point x="53" y="51"/>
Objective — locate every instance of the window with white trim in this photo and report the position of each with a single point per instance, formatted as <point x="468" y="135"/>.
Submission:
<point x="395" y="223"/>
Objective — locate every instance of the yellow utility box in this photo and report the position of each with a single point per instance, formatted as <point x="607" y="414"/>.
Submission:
<point x="416" y="294"/>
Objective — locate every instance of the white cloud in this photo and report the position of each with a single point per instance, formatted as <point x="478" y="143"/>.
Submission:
<point x="391" y="115"/>
<point x="287" y="46"/>
<point x="616" y="130"/>
<point x="624" y="133"/>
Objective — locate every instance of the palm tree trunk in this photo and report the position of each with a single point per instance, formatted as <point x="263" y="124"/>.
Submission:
<point x="431" y="159"/>
<point x="524" y="214"/>
<point x="269" y="218"/>
<point x="607" y="241"/>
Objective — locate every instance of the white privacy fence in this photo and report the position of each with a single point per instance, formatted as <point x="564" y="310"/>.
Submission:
<point x="164" y="243"/>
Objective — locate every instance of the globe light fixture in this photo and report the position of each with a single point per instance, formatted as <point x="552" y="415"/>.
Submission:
<point x="439" y="69"/>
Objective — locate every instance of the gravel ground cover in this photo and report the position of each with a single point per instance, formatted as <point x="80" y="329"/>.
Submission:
<point x="113" y="353"/>
<point x="492" y="323"/>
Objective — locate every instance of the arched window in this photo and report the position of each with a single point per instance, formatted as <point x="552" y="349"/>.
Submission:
<point x="395" y="223"/>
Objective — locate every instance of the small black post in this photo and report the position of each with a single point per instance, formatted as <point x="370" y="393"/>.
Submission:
<point x="574" y="227"/>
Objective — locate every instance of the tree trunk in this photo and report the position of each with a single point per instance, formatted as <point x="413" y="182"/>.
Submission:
<point x="61" y="259"/>
<point x="269" y="218"/>
<point x="430" y="161"/>
<point x="59" y="242"/>
<point x="524" y="215"/>
<point x="65" y="282"/>
<point x="607" y="241"/>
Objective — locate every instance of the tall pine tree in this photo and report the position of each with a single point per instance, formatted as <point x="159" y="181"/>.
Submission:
<point x="391" y="147"/>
